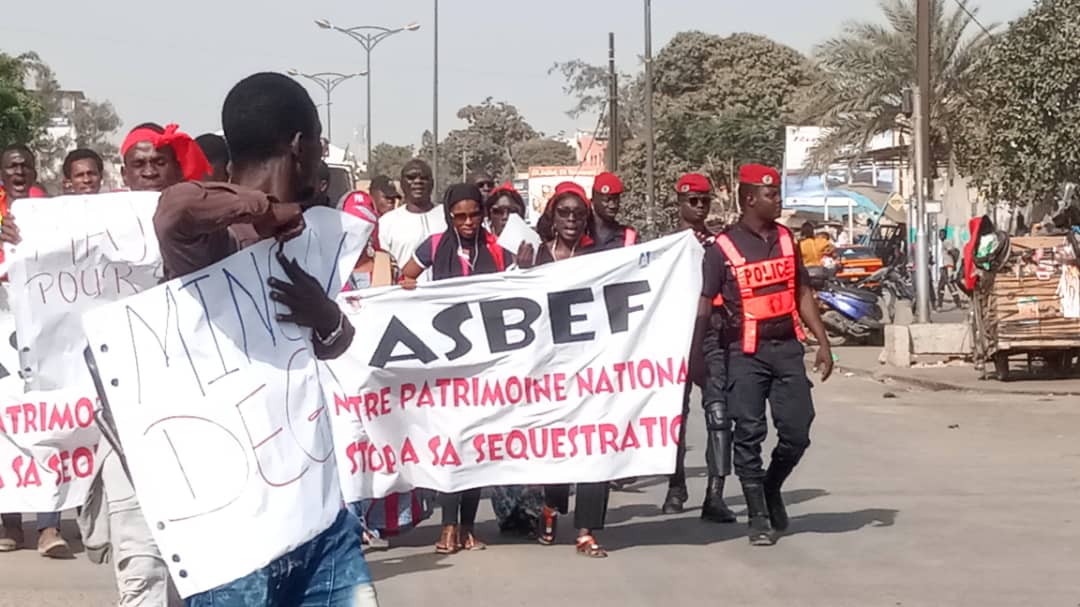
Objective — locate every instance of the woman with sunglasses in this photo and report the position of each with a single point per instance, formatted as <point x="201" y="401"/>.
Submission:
<point x="565" y="227"/>
<point x="503" y="202"/>
<point x="464" y="249"/>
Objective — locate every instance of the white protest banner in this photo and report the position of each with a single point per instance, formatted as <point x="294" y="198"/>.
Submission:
<point x="78" y="252"/>
<point x="219" y="406"/>
<point x="10" y="381"/>
<point x="570" y="372"/>
<point x="48" y="448"/>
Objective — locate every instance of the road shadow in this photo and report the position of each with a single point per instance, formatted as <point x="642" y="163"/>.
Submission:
<point x="732" y="496"/>
<point x="390" y="565"/>
<point x="842" y="522"/>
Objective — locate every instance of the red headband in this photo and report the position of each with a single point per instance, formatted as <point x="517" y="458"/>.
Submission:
<point x="190" y="157"/>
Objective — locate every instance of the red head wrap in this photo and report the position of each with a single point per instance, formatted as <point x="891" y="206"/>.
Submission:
<point x="360" y="204"/>
<point x="507" y="187"/>
<point x="570" y="187"/>
<point x="192" y="160"/>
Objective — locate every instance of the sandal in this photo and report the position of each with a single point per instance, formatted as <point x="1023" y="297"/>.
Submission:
<point x="549" y="520"/>
<point x="448" y="540"/>
<point x="467" y="540"/>
<point x="587" y="546"/>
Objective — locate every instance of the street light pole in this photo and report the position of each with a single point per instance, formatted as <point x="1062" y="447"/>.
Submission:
<point x="922" y="159"/>
<point x="368" y="36"/>
<point x="435" y="108"/>
<point x="328" y="81"/>
<point x="650" y="151"/>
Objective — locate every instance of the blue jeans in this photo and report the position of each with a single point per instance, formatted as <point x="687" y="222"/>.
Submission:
<point x="45" y="520"/>
<point x="328" y="571"/>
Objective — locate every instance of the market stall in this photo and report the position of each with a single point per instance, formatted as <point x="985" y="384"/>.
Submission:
<point x="1026" y="302"/>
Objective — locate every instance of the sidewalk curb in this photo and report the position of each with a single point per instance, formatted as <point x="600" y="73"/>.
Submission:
<point x="932" y="385"/>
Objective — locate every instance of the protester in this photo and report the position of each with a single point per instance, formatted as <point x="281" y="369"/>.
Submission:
<point x="565" y="227"/>
<point x="464" y="249"/>
<point x="484" y="181"/>
<point x="500" y="204"/>
<point x="217" y="154"/>
<point x="694" y="193"/>
<point x="157" y="157"/>
<point x="18" y="168"/>
<point x="606" y="200"/>
<point x="402" y="230"/>
<point x="566" y="224"/>
<point x="83" y="171"/>
<point x="273" y="132"/>
<point x="761" y="334"/>
<point x="385" y="195"/>
<point x="375" y="268"/>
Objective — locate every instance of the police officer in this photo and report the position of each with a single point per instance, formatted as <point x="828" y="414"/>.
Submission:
<point x="606" y="200"/>
<point x="695" y="199"/>
<point x="755" y="279"/>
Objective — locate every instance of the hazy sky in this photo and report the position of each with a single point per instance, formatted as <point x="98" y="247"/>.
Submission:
<point x="175" y="61"/>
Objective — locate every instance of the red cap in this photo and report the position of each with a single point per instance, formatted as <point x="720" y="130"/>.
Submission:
<point x="607" y="183"/>
<point x="758" y="174"/>
<point x="573" y="188"/>
<point x="693" y="182"/>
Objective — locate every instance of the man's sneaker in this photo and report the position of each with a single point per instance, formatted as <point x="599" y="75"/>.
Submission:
<point x="50" y="544"/>
<point x="11" y="538"/>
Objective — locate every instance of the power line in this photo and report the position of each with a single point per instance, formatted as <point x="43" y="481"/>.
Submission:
<point x="972" y="16"/>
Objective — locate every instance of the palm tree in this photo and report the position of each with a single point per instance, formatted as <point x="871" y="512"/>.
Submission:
<point x="869" y="66"/>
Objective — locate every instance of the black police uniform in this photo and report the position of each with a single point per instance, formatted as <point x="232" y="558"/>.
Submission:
<point x="775" y="372"/>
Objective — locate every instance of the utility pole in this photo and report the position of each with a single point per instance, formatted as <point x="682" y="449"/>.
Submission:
<point x="435" y="112"/>
<point x="650" y="151"/>
<point x="613" y="109"/>
<point x="922" y="159"/>
<point x="464" y="167"/>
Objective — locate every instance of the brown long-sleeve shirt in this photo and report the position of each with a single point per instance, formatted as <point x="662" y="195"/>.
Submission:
<point x="200" y="223"/>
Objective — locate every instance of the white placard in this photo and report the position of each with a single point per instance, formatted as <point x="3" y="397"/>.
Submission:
<point x="219" y="406"/>
<point x="77" y="253"/>
<point x="48" y="450"/>
<point x="516" y="232"/>
<point x="570" y="372"/>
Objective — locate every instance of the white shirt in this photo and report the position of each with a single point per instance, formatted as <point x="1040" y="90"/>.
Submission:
<point x="401" y="231"/>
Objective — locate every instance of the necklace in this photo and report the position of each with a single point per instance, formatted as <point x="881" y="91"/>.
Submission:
<point x="467" y="258"/>
<point x="554" y="248"/>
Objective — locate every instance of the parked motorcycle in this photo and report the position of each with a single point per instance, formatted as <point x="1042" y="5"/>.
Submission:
<point x="850" y="313"/>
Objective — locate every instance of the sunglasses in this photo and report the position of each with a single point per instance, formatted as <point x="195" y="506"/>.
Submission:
<point x="463" y="217"/>
<point x="503" y="212"/>
<point x="566" y="213"/>
<point x="698" y="201"/>
<point x="485" y="184"/>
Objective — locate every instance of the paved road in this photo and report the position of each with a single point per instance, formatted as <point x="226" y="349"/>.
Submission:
<point x="923" y="499"/>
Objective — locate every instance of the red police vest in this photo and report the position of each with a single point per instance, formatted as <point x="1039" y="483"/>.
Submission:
<point x="754" y="276"/>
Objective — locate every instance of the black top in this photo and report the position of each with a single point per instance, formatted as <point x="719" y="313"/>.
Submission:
<point x="543" y="256"/>
<point x="718" y="278"/>
<point x="616" y="239"/>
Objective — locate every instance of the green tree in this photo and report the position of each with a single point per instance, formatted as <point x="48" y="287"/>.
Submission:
<point x="542" y="152"/>
<point x="867" y="69"/>
<point x="485" y="144"/>
<point x="388" y="159"/>
<point x="1023" y="120"/>
<point x="589" y="84"/>
<point x="719" y="102"/>
<point x="22" y="115"/>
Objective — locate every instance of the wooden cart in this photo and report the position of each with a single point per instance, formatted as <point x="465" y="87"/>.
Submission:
<point x="1018" y="312"/>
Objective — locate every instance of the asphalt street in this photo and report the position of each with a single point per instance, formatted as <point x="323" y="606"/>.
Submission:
<point x="904" y="499"/>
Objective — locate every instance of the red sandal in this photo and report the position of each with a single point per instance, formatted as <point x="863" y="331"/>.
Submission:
<point x="587" y="546"/>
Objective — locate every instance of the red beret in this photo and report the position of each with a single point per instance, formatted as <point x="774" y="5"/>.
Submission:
<point x="758" y="174"/>
<point x="693" y="182"/>
<point x="607" y="183"/>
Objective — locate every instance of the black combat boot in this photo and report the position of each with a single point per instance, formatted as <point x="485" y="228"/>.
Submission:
<point x="714" y="509"/>
<point x="760" y="531"/>
<point x="779" y="470"/>
<point x="676" y="497"/>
